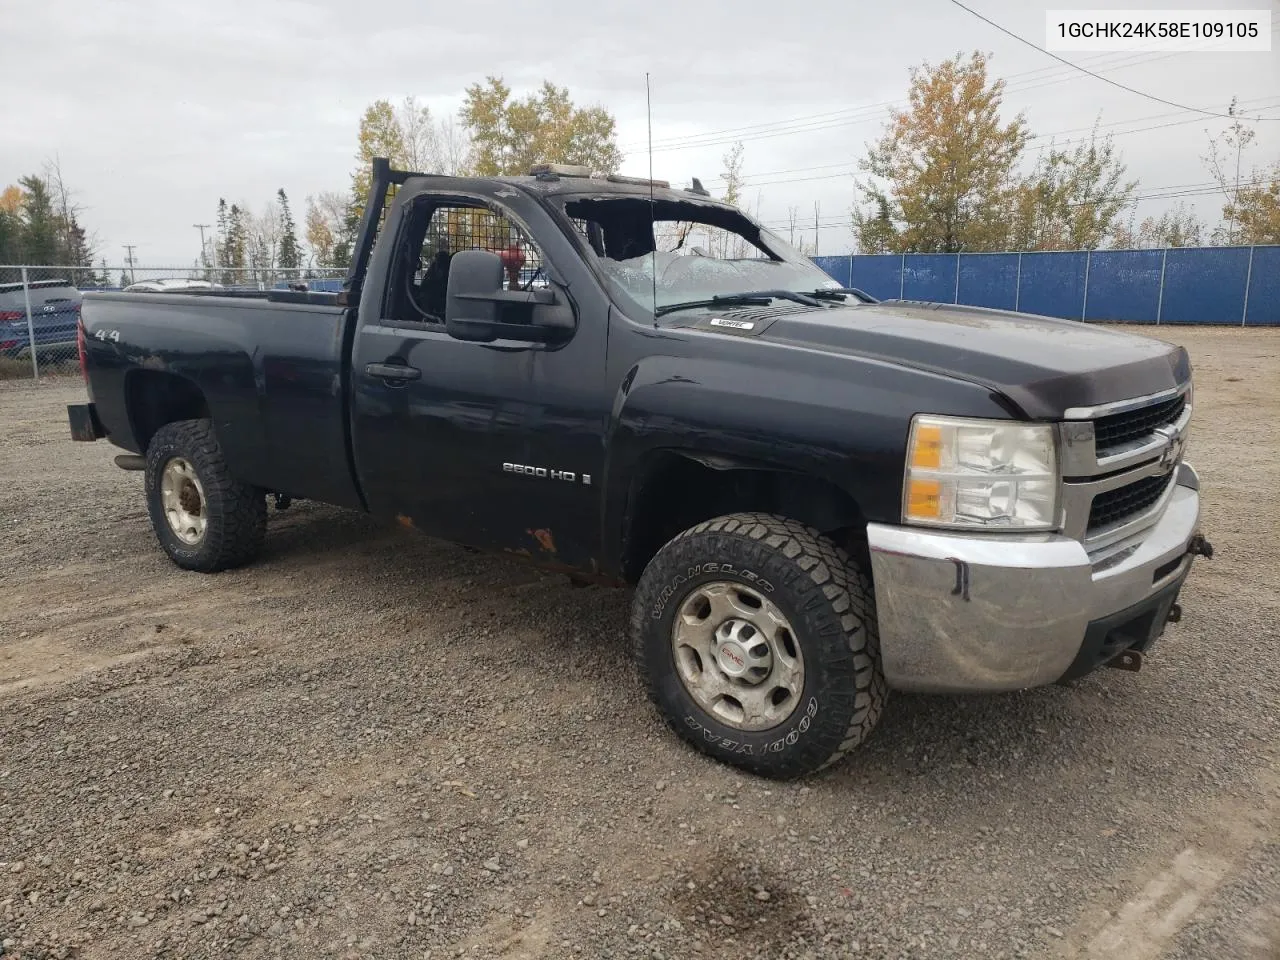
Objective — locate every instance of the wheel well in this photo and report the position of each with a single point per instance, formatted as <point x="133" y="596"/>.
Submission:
<point x="154" y="398"/>
<point x="676" y="492"/>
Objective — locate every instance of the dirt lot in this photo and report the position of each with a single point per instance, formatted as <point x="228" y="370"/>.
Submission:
<point x="372" y="744"/>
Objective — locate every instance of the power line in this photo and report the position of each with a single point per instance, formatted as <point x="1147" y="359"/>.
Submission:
<point x="1097" y="76"/>
<point x="837" y="117"/>
<point x="849" y="170"/>
<point x="853" y="115"/>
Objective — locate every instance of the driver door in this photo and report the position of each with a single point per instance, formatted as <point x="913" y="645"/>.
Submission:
<point x="450" y="435"/>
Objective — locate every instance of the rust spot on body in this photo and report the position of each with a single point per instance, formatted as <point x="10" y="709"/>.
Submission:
<point x="545" y="540"/>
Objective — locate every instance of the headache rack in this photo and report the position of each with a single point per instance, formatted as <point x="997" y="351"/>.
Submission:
<point x="381" y="183"/>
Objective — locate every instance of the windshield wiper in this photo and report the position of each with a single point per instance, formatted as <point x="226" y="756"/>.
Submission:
<point x="754" y="298"/>
<point x="839" y="293"/>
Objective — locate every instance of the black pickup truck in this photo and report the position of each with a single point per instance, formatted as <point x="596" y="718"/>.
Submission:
<point x="816" y="496"/>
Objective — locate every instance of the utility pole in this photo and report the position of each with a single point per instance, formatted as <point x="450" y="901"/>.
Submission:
<point x="129" y="258"/>
<point x="202" y="227"/>
<point x="816" y="228"/>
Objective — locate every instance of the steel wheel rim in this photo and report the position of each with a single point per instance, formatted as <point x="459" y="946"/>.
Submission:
<point x="182" y="497"/>
<point x="737" y="655"/>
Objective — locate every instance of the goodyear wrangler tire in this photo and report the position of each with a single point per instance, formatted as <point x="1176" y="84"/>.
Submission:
<point x="757" y="637"/>
<point x="204" y="519"/>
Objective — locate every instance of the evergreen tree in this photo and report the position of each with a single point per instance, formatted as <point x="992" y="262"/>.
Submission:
<point x="10" y="236"/>
<point x="39" y="224"/>
<point x="236" y="247"/>
<point x="220" y="239"/>
<point x="289" y="257"/>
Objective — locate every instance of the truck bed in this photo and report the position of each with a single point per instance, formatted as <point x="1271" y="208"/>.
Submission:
<point x="270" y="370"/>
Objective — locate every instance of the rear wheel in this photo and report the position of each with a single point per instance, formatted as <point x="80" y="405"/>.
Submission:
<point x="204" y="519"/>
<point x="757" y="636"/>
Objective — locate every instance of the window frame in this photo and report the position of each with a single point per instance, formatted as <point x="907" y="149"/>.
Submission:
<point x="403" y="255"/>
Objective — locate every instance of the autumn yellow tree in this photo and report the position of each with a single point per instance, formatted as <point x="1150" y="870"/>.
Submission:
<point x="1177" y="227"/>
<point x="943" y="172"/>
<point x="509" y="136"/>
<point x="1072" y="199"/>
<point x="1255" y="209"/>
<point x="411" y="137"/>
<point x="1251" y="197"/>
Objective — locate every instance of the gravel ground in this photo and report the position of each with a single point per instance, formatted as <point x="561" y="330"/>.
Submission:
<point x="371" y="744"/>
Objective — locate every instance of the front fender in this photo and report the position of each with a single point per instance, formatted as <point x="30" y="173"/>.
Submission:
<point x="842" y="420"/>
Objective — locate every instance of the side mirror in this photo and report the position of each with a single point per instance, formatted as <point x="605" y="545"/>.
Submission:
<point x="467" y="314"/>
<point x="479" y="310"/>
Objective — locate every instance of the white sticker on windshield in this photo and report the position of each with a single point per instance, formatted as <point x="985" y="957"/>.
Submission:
<point x="736" y="324"/>
<point x="830" y="285"/>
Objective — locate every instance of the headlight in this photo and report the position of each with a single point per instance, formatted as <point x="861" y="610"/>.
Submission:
<point x="995" y="474"/>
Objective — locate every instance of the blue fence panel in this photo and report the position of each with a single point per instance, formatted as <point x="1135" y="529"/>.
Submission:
<point x="1264" y="287"/>
<point x="1124" y="285"/>
<point x="1205" y="285"/>
<point x="989" y="280"/>
<point x="879" y="274"/>
<point x="837" y="268"/>
<point x="930" y="276"/>
<point x="1201" y="284"/>
<point x="1052" y="284"/>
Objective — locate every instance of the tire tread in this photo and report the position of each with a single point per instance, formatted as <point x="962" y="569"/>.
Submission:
<point x="844" y="587"/>
<point x="236" y="529"/>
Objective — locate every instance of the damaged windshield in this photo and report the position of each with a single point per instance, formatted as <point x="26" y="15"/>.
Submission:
<point x="701" y="253"/>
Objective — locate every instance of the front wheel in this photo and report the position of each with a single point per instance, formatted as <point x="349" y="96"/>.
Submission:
<point x="757" y="636"/>
<point x="204" y="519"/>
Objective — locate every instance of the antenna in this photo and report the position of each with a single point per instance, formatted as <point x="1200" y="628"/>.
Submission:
<point x="653" y="233"/>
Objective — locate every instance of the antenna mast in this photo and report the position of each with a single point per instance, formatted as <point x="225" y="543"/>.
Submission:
<point x="653" y="233"/>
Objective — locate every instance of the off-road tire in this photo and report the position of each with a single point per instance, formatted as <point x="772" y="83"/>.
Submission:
<point x="235" y="512"/>
<point x="830" y="604"/>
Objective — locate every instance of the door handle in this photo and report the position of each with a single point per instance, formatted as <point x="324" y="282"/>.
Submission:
<point x="392" y="371"/>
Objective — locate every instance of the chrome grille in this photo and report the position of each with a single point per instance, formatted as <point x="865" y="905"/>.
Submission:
<point x="1123" y="503"/>
<point x="1121" y="428"/>
<point x="1119" y="461"/>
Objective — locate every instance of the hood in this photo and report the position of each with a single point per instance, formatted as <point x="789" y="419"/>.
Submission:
<point x="1042" y="364"/>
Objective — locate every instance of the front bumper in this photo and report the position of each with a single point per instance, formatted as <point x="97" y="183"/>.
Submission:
<point x="960" y="613"/>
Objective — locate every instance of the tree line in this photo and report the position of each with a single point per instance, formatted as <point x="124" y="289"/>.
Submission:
<point x="40" y="224"/>
<point x="949" y="174"/>
<point x="494" y="134"/>
<point x="248" y="246"/>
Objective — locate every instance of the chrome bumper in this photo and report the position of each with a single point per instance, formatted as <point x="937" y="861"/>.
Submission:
<point x="960" y="613"/>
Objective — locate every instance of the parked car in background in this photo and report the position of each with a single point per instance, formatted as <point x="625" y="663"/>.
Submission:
<point x="171" y="285"/>
<point x="55" y="311"/>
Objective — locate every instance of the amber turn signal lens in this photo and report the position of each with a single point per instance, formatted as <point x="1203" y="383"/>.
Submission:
<point x="927" y="452"/>
<point x="924" y="499"/>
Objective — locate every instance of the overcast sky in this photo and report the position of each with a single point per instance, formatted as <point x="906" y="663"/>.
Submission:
<point x="156" y="108"/>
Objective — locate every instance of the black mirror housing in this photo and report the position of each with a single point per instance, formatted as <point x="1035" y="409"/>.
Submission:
<point x="478" y="309"/>
<point x="467" y="317"/>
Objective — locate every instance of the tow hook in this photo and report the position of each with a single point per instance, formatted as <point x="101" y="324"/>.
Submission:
<point x="1130" y="660"/>
<point x="1199" y="546"/>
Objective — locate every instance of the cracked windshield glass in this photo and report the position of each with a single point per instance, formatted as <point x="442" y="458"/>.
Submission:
<point x="698" y="252"/>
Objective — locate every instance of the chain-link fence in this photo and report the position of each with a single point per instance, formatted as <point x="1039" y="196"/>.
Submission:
<point x="40" y="304"/>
